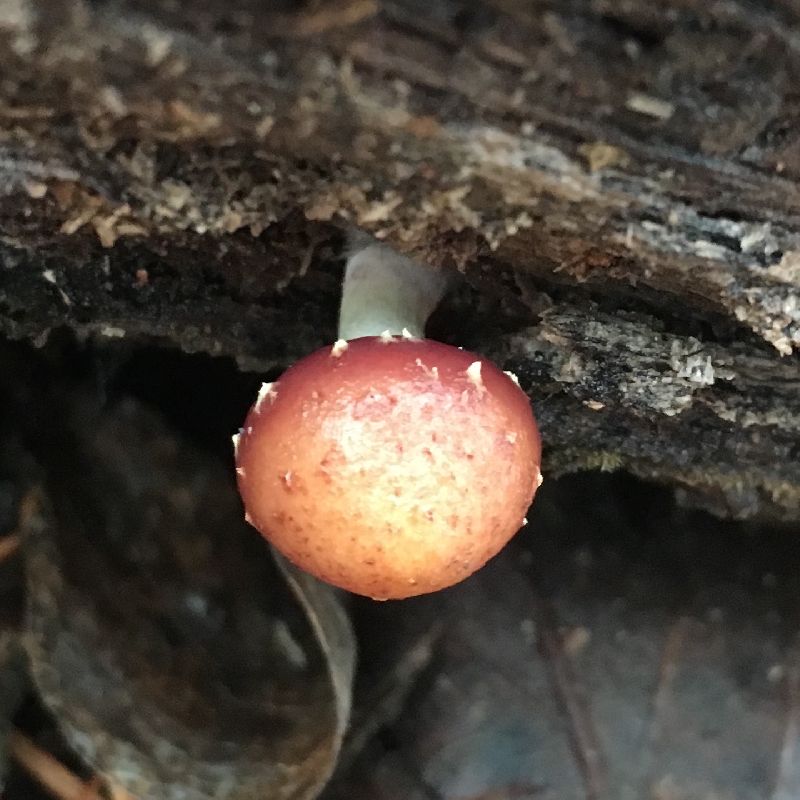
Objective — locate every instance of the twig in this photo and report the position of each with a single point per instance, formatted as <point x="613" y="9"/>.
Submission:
<point x="668" y="668"/>
<point x="53" y="776"/>
<point x="28" y="509"/>
<point x="586" y="745"/>
<point x="385" y="702"/>
<point x="8" y="546"/>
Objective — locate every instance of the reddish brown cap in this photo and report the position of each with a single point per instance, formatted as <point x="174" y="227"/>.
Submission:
<point x="389" y="468"/>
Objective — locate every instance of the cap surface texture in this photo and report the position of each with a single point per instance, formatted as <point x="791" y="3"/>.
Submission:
<point x="389" y="468"/>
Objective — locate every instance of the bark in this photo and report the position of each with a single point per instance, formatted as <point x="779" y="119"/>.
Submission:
<point x="615" y="179"/>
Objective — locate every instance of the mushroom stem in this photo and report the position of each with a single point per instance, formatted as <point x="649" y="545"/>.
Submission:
<point x="386" y="291"/>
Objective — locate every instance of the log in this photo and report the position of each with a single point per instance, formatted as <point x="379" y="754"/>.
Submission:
<point x="617" y="181"/>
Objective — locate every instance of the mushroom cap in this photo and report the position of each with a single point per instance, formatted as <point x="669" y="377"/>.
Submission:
<point x="389" y="467"/>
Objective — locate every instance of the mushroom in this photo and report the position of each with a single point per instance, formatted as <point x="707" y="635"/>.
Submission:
<point x="388" y="464"/>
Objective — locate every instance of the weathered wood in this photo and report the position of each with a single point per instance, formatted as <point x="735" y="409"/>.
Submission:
<point x="616" y="180"/>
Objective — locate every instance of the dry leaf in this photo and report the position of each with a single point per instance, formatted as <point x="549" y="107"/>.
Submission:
<point x="161" y="634"/>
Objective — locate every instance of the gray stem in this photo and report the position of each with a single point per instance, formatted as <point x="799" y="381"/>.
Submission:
<point x="386" y="291"/>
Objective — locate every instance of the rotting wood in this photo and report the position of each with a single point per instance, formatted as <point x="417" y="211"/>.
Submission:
<point x="617" y="181"/>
